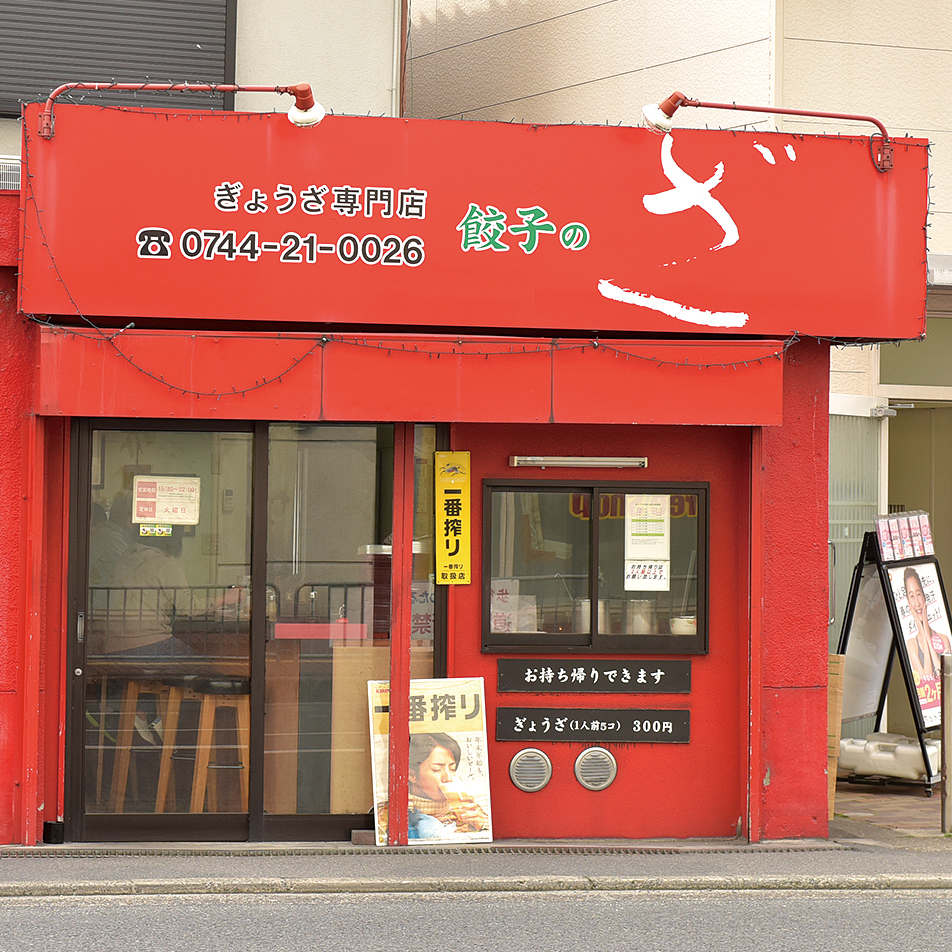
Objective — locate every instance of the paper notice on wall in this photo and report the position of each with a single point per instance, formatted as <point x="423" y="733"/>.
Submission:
<point x="510" y="611"/>
<point x="647" y="527"/>
<point x="173" y="500"/>
<point x="641" y="576"/>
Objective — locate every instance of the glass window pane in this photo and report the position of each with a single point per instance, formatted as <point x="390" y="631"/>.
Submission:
<point x="648" y="560"/>
<point x="167" y="652"/>
<point x="645" y="592"/>
<point x="540" y="562"/>
<point x="423" y="588"/>
<point x="330" y="492"/>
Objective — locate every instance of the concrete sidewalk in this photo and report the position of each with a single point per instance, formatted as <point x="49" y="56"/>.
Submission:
<point x="880" y="838"/>
<point x="894" y="810"/>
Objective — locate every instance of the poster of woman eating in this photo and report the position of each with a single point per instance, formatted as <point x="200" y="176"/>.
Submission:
<point x="448" y="770"/>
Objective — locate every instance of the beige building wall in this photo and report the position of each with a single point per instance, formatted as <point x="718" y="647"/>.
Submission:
<point x="348" y="50"/>
<point x="575" y="61"/>
<point x="579" y="61"/>
<point x="10" y="137"/>
<point x="891" y="61"/>
<point x="853" y="371"/>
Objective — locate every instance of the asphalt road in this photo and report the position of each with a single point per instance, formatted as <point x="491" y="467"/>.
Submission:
<point x="732" y="921"/>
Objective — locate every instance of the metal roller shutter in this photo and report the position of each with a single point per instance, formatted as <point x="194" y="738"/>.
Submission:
<point x="61" y="41"/>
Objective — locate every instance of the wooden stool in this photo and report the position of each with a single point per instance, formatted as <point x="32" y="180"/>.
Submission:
<point x="214" y="694"/>
<point x="179" y="690"/>
<point x="124" y="736"/>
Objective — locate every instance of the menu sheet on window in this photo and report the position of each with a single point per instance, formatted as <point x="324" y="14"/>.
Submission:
<point x="647" y="542"/>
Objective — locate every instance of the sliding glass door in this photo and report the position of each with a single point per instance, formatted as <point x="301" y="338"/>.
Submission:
<point x="234" y="600"/>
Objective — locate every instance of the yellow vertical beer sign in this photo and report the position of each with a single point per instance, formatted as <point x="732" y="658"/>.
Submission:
<point x="453" y="522"/>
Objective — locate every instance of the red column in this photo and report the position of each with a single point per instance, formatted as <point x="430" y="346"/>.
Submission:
<point x="20" y="524"/>
<point x="402" y="569"/>
<point x="790" y="780"/>
<point x="755" y="647"/>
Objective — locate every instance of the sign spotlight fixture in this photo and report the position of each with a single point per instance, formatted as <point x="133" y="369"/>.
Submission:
<point x="305" y="112"/>
<point x="658" y="118"/>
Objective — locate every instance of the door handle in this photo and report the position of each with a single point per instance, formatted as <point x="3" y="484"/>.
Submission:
<point x="832" y="578"/>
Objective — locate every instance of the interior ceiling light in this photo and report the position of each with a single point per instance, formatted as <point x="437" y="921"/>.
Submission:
<point x="304" y="112"/>
<point x="659" y="117"/>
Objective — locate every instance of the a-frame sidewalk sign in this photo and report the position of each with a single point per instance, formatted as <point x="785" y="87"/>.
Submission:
<point x="897" y="608"/>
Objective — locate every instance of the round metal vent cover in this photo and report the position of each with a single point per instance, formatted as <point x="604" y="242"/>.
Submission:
<point x="530" y="770"/>
<point x="595" y="768"/>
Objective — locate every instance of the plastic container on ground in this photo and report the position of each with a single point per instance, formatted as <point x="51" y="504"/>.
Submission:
<point x="888" y="755"/>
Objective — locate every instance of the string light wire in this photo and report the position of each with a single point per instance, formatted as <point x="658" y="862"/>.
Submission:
<point x="462" y="348"/>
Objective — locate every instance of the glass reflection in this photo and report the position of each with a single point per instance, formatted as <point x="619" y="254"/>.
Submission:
<point x="167" y="651"/>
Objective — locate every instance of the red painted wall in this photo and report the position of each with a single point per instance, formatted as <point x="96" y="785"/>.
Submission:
<point x="33" y="459"/>
<point x="426" y="378"/>
<point x="788" y="757"/>
<point x="699" y="789"/>
<point x="693" y="790"/>
<point x="13" y="398"/>
<point x="52" y="495"/>
<point x="662" y="790"/>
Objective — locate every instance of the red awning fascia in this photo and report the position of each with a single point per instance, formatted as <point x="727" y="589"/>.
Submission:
<point x="423" y="378"/>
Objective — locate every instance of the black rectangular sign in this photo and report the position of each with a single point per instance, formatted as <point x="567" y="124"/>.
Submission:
<point x="547" y="676"/>
<point x="601" y="726"/>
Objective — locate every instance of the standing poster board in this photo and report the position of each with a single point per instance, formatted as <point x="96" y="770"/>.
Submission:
<point x="897" y="609"/>
<point x="919" y="599"/>
<point x="449" y="768"/>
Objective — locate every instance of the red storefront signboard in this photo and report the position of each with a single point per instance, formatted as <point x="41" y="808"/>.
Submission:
<point x="245" y="217"/>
